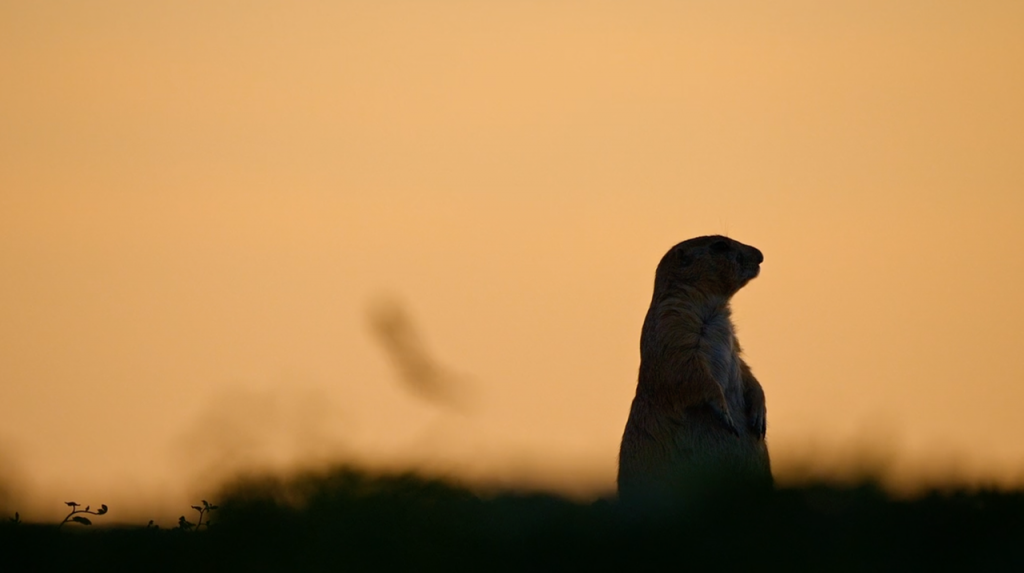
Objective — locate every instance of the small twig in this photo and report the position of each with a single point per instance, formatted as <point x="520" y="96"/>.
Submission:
<point x="205" y="509"/>
<point x="79" y="518"/>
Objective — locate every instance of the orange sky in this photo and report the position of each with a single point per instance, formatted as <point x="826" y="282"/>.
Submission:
<point x="202" y="204"/>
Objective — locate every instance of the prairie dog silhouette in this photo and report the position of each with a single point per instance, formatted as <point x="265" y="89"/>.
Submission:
<point x="698" y="419"/>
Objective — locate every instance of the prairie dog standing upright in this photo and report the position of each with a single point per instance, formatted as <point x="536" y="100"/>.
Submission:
<point x="698" y="419"/>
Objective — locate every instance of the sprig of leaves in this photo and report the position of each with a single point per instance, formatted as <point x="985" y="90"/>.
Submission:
<point x="205" y="509"/>
<point x="73" y="516"/>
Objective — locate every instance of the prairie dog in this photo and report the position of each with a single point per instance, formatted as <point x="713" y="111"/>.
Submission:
<point x="698" y="419"/>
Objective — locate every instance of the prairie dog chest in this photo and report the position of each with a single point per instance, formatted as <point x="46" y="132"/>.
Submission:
<point x="718" y="347"/>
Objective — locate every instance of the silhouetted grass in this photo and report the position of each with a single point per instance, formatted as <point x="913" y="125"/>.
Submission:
<point x="347" y="520"/>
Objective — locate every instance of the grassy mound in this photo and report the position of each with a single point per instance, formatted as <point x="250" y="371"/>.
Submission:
<point x="344" y="519"/>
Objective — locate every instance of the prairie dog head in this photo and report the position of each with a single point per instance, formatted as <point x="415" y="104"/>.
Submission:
<point x="714" y="265"/>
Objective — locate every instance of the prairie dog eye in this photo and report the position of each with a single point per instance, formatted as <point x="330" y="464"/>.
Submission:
<point x="720" y="246"/>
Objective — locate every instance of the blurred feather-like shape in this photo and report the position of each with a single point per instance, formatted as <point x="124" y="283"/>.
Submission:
<point x="418" y="371"/>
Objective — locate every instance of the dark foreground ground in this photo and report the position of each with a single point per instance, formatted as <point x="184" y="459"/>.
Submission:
<point x="349" y="521"/>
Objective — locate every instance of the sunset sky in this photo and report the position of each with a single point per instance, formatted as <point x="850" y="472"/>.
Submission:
<point x="209" y="212"/>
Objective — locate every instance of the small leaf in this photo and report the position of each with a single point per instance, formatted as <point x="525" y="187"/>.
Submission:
<point x="82" y="520"/>
<point x="197" y="508"/>
<point x="70" y="503"/>
<point x="206" y="503"/>
<point x="87" y="508"/>
<point x="102" y="509"/>
<point x="213" y="507"/>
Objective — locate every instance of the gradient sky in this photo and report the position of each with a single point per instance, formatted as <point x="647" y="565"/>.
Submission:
<point x="203" y="203"/>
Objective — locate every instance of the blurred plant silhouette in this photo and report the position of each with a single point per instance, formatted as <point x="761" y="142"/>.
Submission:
<point x="419" y="372"/>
